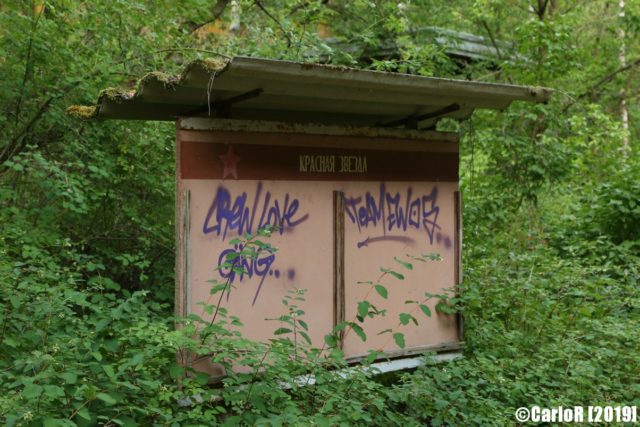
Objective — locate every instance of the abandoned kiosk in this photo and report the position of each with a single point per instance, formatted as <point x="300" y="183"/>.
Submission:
<point x="345" y="164"/>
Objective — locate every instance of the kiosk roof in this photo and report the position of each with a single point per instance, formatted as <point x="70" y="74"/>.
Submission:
<point x="264" y="89"/>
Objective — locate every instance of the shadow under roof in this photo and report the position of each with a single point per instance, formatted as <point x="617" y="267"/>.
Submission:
<point x="263" y="89"/>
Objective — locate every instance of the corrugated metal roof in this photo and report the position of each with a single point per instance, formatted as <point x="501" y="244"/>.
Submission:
<point x="264" y="89"/>
<point x="456" y="44"/>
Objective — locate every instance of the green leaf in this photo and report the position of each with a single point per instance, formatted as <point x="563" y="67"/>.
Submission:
<point x="359" y="331"/>
<point x="106" y="398"/>
<point x="382" y="291"/>
<point x="426" y="310"/>
<point x="32" y="391"/>
<point x="11" y="342"/>
<point x="393" y="273"/>
<point x="176" y="371"/>
<point x="54" y="422"/>
<point x="285" y="318"/>
<point x="405" y="264"/>
<point x="15" y="300"/>
<point x="398" y="337"/>
<point x="128" y="385"/>
<point x="69" y="377"/>
<point x="230" y="256"/>
<point x="84" y="413"/>
<point x="340" y="326"/>
<point x="111" y="345"/>
<point x="127" y="421"/>
<point x="363" y="308"/>
<point x="282" y="331"/>
<point x="324" y="421"/>
<point x="371" y="357"/>
<point x="305" y="336"/>
<point x="432" y="256"/>
<point x="442" y="307"/>
<point x="53" y="391"/>
<point x="108" y="369"/>
<point x="304" y="325"/>
<point x="217" y="287"/>
<point x="330" y="340"/>
<point x="405" y="318"/>
<point x="89" y="393"/>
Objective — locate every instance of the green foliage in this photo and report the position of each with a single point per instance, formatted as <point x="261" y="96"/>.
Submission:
<point x="85" y="355"/>
<point x="552" y="225"/>
<point x="616" y="205"/>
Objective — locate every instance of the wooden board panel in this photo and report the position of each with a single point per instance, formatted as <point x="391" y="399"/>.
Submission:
<point x="400" y="203"/>
<point x="403" y="220"/>
<point x="203" y="160"/>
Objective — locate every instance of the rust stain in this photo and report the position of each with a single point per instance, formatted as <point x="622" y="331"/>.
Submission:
<point x="335" y="130"/>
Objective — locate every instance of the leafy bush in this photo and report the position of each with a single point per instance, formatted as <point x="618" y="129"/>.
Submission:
<point x="73" y="351"/>
<point x="616" y="205"/>
<point x="552" y="252"/>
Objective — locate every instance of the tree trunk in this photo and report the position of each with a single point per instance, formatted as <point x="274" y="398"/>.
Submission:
<point x="624" y="112"/>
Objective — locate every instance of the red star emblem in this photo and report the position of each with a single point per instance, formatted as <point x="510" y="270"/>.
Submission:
<point x="230" y="164"/>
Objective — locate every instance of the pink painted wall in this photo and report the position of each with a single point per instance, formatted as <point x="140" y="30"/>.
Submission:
<point x="304" y="258"/>
<point x="240" y="181"/>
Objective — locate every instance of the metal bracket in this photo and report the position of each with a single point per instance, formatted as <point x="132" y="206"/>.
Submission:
<point x="412" y="121"/>
<point x="222" y="108"/>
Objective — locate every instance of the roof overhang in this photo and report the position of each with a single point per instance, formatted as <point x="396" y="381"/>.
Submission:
<point x="264" y="89"/>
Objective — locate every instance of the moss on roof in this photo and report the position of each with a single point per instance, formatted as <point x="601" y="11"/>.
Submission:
<point x="82" y="111"/>
<point x="166" y="80"/>
<point x="212" y="66"/>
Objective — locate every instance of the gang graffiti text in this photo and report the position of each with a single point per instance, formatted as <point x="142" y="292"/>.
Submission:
<point x="393" y="212"/>
<point x="238" y="215"/>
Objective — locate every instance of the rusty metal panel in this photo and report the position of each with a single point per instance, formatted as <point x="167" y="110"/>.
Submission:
<point x="375" y="137"/>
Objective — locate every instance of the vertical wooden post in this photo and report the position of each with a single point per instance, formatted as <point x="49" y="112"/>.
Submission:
<point x="182" y="356"/>
<point x="178" y="229"/>
<point x="338" y="262"/>
<point x="458" y="236"/>
<point x="186" y="227"/>
<point x="457" y="204"/>
<point x="182" y="227"/>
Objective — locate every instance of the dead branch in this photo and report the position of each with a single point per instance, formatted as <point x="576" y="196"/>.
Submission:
<point x="218" y="10"/>
<point x="493" y="40"/>
<point x="606" y="79"/>
<point x="274" y="19"/>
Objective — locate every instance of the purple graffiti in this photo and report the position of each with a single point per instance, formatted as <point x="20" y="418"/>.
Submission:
<point x="226" y="214"/>
<point x="392" y="212"/>
<point x="446" y="240"/>
<point x="401" y="239"/>
<point x="257" y="265"/>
